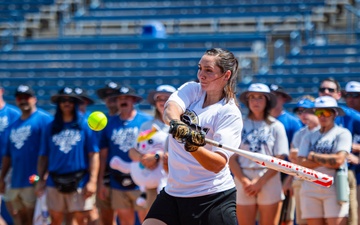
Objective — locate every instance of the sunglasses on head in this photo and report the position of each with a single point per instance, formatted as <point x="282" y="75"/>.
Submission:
<point x="352" y="95"/>
<point x="323" y="89"/>
<point x="323" y="112"/>
<point x="63" y="100"/>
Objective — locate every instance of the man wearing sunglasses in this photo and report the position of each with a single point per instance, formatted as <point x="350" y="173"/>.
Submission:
<point x="330" y="87"/>
<point x="21" y="151"/>
<point x="351" y="94"/>
<point x="350" y="120"/>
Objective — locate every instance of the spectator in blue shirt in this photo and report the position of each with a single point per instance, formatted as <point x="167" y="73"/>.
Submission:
<point x="21" y="151"/>
<point x="109" y="95"/>
<point x="118" y="137"/>
<point x="69" y="156"/>
<point x="351" y="94"/>
<point x="8" y="115"/>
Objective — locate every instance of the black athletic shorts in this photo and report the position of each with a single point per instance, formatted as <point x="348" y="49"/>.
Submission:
<point x="214" y="209"/>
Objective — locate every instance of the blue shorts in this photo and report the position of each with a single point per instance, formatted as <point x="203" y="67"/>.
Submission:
<point x="214" y="209"/>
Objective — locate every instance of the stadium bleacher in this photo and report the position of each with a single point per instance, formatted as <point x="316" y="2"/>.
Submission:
<point x="51" y="43"/>
<point x="97" y="57"/>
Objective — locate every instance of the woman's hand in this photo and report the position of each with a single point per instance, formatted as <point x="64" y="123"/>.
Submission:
<point x="254" y="187"/>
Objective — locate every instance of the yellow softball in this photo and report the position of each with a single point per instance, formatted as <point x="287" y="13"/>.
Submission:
<point x="97" y="121"/>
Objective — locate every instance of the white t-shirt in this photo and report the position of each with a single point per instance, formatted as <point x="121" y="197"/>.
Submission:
<point x="300" y="134"/>
<point x="260" y="137"/>
<point x="335" y="140"/>
<point x="223" y="123"/>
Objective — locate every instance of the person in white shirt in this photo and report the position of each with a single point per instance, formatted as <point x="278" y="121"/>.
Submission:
<point x="200" y="188"/>
<point x="325" y="151"/>
<point x="258" y="188"/>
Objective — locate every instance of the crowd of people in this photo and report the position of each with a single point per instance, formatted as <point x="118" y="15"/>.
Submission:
<point x="160" y="168"/>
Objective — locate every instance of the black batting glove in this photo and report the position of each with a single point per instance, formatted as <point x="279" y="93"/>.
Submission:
<point x="179" y="130"/>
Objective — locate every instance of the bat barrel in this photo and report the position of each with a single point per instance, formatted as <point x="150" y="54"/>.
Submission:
<point x="280" y="165"/>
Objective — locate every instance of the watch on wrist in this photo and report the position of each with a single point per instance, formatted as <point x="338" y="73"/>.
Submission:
<point x="157" y="157"/>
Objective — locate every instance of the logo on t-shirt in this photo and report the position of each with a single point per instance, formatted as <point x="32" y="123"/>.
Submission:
<point x="255" y="138"/>
<point x="4" y="123"/>
<point x="325" y="146"/>
<point x="20" y="135"/>
<point x="125" y="138"/>
<point x="66" y="139"/>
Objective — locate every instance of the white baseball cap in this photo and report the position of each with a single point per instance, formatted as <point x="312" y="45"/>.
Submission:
<point x="352" y="86"/>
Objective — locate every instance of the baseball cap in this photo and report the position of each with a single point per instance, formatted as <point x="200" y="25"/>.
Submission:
<point x="24" y="90"/>
<point x="304" y="103"/>
<point x="352" y="86"/>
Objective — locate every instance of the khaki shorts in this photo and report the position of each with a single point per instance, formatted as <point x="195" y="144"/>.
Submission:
<point x="270" y="193"/>
<point x="124" y="199"/>
<point x="106" y="203"/>
<point x="297" y="187"/>
<point x="73" y="202"/>
<point x="320" y="202"/>
<point x="21" y="197"/>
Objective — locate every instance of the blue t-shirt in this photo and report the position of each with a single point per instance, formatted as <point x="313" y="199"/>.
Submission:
<point x="118" y="137"/>
<point x="356" y="140"/>
<point x="24" y="141"/>
<point x="68" y="150"/>
<point x="8" y="115"/>
<point x="347" y="121"/>
<point x="291" y="124"/>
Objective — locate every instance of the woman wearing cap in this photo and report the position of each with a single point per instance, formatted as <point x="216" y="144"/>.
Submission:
<point x="155" y="154"/>
<point x="325" y="151"/>
<point x="68" y="162"/>
<point x="200" y="188"/>
<point x="258" y="188"/>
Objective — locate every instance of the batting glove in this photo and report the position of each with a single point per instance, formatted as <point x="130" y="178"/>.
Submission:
<point x="179" y="130"/>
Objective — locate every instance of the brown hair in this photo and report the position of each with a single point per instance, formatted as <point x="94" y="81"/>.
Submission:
<point x="330" y="79"/>
<point x="226" y="60"/>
